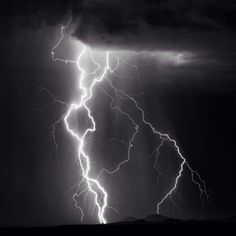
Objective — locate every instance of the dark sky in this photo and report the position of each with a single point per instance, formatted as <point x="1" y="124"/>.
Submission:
<point x="193" y="101"/>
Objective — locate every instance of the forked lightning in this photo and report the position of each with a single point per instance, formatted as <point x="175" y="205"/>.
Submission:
<point x="93" y="185"/>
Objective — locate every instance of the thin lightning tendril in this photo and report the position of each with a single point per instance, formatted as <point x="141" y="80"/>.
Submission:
<point x="63" y="28"/>
<point x="54" y="101"/>
<point x="93" y="186"/>
<point x="156" y="165"/>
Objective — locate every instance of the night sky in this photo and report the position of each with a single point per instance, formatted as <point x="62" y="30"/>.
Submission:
<point x="180" y="60"/>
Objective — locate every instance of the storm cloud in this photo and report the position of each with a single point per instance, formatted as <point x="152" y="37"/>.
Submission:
<point x="134" y="23"/>
<point x="172" y="25"/>
<point x="205" y="28"/>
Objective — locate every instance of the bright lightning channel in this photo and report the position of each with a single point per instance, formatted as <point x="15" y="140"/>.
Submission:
<point x="93" y="185"/>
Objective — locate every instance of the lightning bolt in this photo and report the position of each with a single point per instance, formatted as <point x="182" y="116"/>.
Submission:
<point x="87" y="92"/>
<point x="196" y="178"/>
<point x="93" y="185"/>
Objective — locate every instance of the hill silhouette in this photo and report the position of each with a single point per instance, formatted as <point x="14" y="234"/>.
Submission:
<point x="153" y="223"/>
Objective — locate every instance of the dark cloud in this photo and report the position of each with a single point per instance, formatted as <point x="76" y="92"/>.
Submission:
<point x="120" y="18"/>
<point x="33" y="14"/>
<point x="159" y="24"/>
<point x="204" y="26"/>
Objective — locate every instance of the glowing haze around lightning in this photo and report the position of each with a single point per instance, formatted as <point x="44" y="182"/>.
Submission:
<point x="93" y="186"/>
